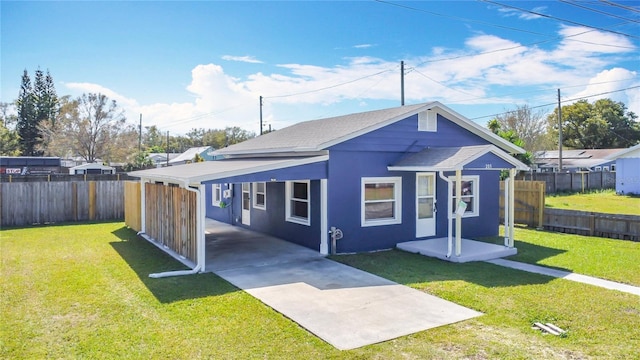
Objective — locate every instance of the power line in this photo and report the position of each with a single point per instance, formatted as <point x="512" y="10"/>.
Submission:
<point x="460" y="18"/>
<point x="331" y="86"/>
<point x="611" y="3"/>
<point x="563" y="101"/>
<point x="576" y="4"/>
<point x="559" y="19"/>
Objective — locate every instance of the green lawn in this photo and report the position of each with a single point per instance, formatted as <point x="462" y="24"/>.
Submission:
<point x="604" y="201"/>
<point x="617" y="260"/>
<point x="83" y="291"/>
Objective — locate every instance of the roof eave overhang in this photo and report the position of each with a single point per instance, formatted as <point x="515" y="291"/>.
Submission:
<point x="199" y="179"/>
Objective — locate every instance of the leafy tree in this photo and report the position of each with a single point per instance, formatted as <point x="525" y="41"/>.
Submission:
<point x="526" y="124"/>
<point x="91" y="127"/>
<point x="512" y="137"/>
<point x="198" y="158"/>
<point x="9" y="138"/>
<point x="601" y="125"/>
<point x="140" y="161"/>
<point x="26" y="123"/>
<point x="9" y="141"/>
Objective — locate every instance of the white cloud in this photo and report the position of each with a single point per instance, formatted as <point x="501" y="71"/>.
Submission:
<point x="247" y="59"/>
<point x="508" y="12"/>
<point x="471" y="75"/>
<point x="608" y="83"/>
<point x="363" y="46"/>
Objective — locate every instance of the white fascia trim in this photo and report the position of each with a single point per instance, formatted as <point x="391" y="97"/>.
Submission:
<point x="470" y="125"/>
<point x="288" y="151"/>
<point x="256" y="169"/>
<point x="624" y="152"/>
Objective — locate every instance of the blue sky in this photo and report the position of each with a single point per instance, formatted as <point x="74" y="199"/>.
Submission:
<point x="185" y="65"/>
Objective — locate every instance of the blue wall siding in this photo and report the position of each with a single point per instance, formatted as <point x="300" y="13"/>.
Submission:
<point x="271" y="220"/>
<point x="346" y="170"/>
<point x="403" y="136"/>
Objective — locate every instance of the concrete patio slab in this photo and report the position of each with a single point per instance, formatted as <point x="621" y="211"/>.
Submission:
<point x="471" y="250"/>
<point x="346" y="307"/>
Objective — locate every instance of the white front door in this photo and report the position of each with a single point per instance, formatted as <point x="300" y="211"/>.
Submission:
<point x="425" y="204"/>
<point x="246" y="203"/>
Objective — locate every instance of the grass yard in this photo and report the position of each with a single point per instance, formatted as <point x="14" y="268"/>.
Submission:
<point x="604" y="201"/>
<point x="83" y="291"/>
<point x="611" y="259"/>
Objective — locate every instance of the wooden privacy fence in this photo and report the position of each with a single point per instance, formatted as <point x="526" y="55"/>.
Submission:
<point x="529" y="202"/>
<point x="626" y="227"/>
<point x="132" y="207"/>
<point x="171" y="218"/>
<point x="30" y="203"/>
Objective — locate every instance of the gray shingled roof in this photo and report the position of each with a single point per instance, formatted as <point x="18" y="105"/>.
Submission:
<point x="319" y="134"/>
<point x="451" y="158"/>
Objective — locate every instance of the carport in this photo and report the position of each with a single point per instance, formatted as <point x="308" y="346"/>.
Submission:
<point x="172" y="200"/>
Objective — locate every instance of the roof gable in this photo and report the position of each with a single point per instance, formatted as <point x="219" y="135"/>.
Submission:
<point x="317" y="135"/>
<point x="633" y="151"/>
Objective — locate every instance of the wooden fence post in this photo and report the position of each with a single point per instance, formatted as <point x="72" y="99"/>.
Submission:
<point x="92" y="200"/>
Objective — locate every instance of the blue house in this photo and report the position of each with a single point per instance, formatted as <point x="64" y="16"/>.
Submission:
<point x="627" y="170"/>
<point x="361" y="182"/>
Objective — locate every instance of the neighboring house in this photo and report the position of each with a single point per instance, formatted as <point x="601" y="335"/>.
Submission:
<point x="627" y="170"/>
<point x="381" y="177"/>
<point x="575" y="160"/>
<point x="160" y="159"/>
<point x="187" y="157"/>
<point x="92" y="168"/>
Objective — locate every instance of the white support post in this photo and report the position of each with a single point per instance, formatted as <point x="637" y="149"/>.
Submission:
<point x="507" y="185"/>
<point x="324" y="230"/>
<point x="512" y="205"/>
<point x="458" y="215"/>
<point x="200" y="227"/>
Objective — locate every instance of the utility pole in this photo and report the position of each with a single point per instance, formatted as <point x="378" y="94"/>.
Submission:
<point x="260" y="114"/>
<point x="401" y="83"/>
<point x="559" y="133"/>
<point x="140" y="135"/>
<point x="167" y="147"/>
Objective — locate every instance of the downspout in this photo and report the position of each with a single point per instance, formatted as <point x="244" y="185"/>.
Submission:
<point x="449" y="217"/>
<point x="200" y="241"/>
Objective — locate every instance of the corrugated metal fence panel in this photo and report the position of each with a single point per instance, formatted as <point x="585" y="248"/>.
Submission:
<point x="28" y="203"/>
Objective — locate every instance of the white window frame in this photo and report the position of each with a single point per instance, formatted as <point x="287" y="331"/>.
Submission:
<point x="289" y="198"/>
<point x="428" y="121"/>
<point x="397" y="199"/>
<point x="216" y="189"/>
<point x="256" y="205"/>
<point x="475" y="196"/>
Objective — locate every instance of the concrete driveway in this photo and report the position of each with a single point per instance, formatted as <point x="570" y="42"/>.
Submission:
<point x="344" y="306"/>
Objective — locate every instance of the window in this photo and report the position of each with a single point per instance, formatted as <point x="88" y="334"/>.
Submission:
<point x="381" y="201"/>
<point x="260" y="195"/>
<point x="216" y="194"/>
<point x="298" y="202"/>
<point x="470" y="195"/>
<point x="428" y="121"/>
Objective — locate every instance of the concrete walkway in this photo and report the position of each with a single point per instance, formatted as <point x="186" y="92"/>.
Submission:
<point x="346" y="307"/>
<point x="612" y="285"/>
